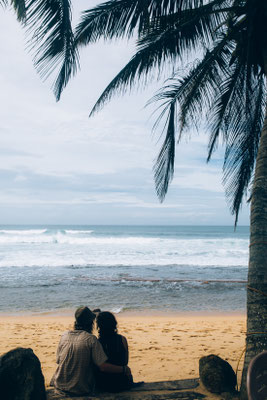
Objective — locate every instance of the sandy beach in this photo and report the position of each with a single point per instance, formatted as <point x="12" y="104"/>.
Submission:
<point x="162" y="347"/>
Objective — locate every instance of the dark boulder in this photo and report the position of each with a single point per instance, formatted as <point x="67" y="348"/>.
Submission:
<point x="21" y="377"/>
<point x="216" y="374"/>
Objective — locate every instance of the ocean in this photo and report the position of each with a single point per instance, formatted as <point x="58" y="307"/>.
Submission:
<point x="123" y="268"/>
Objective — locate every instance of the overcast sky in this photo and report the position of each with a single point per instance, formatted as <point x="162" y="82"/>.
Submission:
<point x="57" y="166"/>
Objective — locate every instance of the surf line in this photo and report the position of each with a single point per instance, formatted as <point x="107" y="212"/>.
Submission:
<point x="204" y="281"/>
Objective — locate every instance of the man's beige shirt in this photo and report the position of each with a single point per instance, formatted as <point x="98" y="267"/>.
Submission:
<point x="77" y="355"/>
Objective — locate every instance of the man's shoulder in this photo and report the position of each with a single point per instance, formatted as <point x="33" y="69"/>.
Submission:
<point x="80" y="335"/>
<point x="83" y="336"/>
<point x="88" y="336"/>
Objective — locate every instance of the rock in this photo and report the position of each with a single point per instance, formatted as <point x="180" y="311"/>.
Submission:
<point x="216" y="374"/>
<point x="21" y="377"/>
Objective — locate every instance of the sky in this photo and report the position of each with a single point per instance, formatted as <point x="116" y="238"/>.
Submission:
<point x="58" y="166"/>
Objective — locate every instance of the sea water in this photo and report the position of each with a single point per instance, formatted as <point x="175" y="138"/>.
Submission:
<point x="118" y="268"/>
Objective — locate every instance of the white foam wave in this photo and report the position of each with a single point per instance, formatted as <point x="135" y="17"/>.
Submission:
<point x="117" y="310"/>
<point x="65" y="239"/>
<point x="107" y="261"/>
<point x="19" y="232"/>
<point x="56" y="248"/>
<point x="78" y="232"/>
<point x="179" y="246"/>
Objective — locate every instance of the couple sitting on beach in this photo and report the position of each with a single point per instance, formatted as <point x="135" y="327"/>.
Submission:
<point x="86" y="363"/>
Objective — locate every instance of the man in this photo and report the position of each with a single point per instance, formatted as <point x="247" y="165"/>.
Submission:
<point x="79" y="353"/>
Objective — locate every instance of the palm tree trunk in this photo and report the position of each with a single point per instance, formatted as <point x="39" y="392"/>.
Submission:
<point x="256" y="340"/>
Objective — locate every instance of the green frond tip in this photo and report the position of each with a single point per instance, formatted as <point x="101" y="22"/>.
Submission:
<point x="164" y="166"/>
<point x="3" y="3"/>
<point x="20" y="9"/>
<point x="52" y="40"/>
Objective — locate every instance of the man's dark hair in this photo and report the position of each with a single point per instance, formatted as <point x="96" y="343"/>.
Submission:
<point x="84" y="319"/>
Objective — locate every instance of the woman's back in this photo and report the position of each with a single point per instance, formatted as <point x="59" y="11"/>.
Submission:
<point x="116" y="349"/>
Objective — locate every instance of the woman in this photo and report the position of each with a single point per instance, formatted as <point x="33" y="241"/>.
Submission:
<point x="116" y="348"/>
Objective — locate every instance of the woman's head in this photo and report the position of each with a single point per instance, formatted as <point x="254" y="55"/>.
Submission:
<point x="106" y="323"/>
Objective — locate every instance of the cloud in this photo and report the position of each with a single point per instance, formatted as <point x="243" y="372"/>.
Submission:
<point x="203" y="178"/>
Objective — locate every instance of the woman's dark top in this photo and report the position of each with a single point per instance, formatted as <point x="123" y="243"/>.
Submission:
<point x="117" y="355"/>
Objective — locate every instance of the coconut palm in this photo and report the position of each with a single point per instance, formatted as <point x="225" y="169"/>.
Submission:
<point x="225" y="87"/>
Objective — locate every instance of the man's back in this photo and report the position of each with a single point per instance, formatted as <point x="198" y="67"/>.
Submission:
<point x="77" y="355"/>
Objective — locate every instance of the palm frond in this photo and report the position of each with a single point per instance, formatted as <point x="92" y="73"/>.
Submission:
<point x="120" y="18"/>
<point x="164" y="166"/>
<point x="255" y="32"/>
<point x="200" y="87"/>
<point x="244" y="123"/>
<point x="207" y="19"/>
<point x="192" y="94"/>
<point x="49" y="22"/>
<point x="221" y="107"/>
<point x="112" y="19"/>
<point x="3" y="3"/>
<point x="154" y="49"/>
<point x="20" y="9"/>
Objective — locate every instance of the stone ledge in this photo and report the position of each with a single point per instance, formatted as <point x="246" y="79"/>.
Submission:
<point x="165" y="390"/>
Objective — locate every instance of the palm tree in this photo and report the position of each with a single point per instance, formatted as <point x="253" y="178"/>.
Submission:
<point x="226" y="87"/>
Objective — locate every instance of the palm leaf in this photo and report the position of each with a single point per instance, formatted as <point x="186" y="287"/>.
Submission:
<point x="193" y="94"/>
<point x="155" y="48"/>
<point x="3" y="3"/>
<point x="120" y="18"/>
<point x="20" y="9"/>
<point x="242" y="144"/>
<point x="164" y="166"/>
<point x="222" y="105"/>
<point x="49" y="21"/>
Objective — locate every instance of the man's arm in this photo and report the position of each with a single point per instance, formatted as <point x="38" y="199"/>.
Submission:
<point x="59" y="348"/>
<point x="114" y="369"/>
<point x="100" y="358"/>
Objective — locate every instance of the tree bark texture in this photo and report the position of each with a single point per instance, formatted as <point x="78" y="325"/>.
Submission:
<point x="256" y="340"/>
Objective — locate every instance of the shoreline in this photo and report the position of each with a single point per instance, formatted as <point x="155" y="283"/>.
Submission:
<point x="69" y="313"/>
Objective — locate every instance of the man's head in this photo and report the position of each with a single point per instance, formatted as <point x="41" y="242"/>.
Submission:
<point x="84" y="319"/>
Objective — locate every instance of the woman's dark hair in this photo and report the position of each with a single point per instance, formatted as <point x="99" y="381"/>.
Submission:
<point x="88" y="327"/>
<point x="106" y="323"/>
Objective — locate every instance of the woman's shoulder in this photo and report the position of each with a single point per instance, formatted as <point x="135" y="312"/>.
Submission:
<point x="124" y="341"/>
<point x="120" y="338"/>
<point x="123" y="338"/>
<point x="118" y="335"/>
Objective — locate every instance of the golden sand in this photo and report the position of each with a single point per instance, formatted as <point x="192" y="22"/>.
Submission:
<point x="162" y="347"/>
